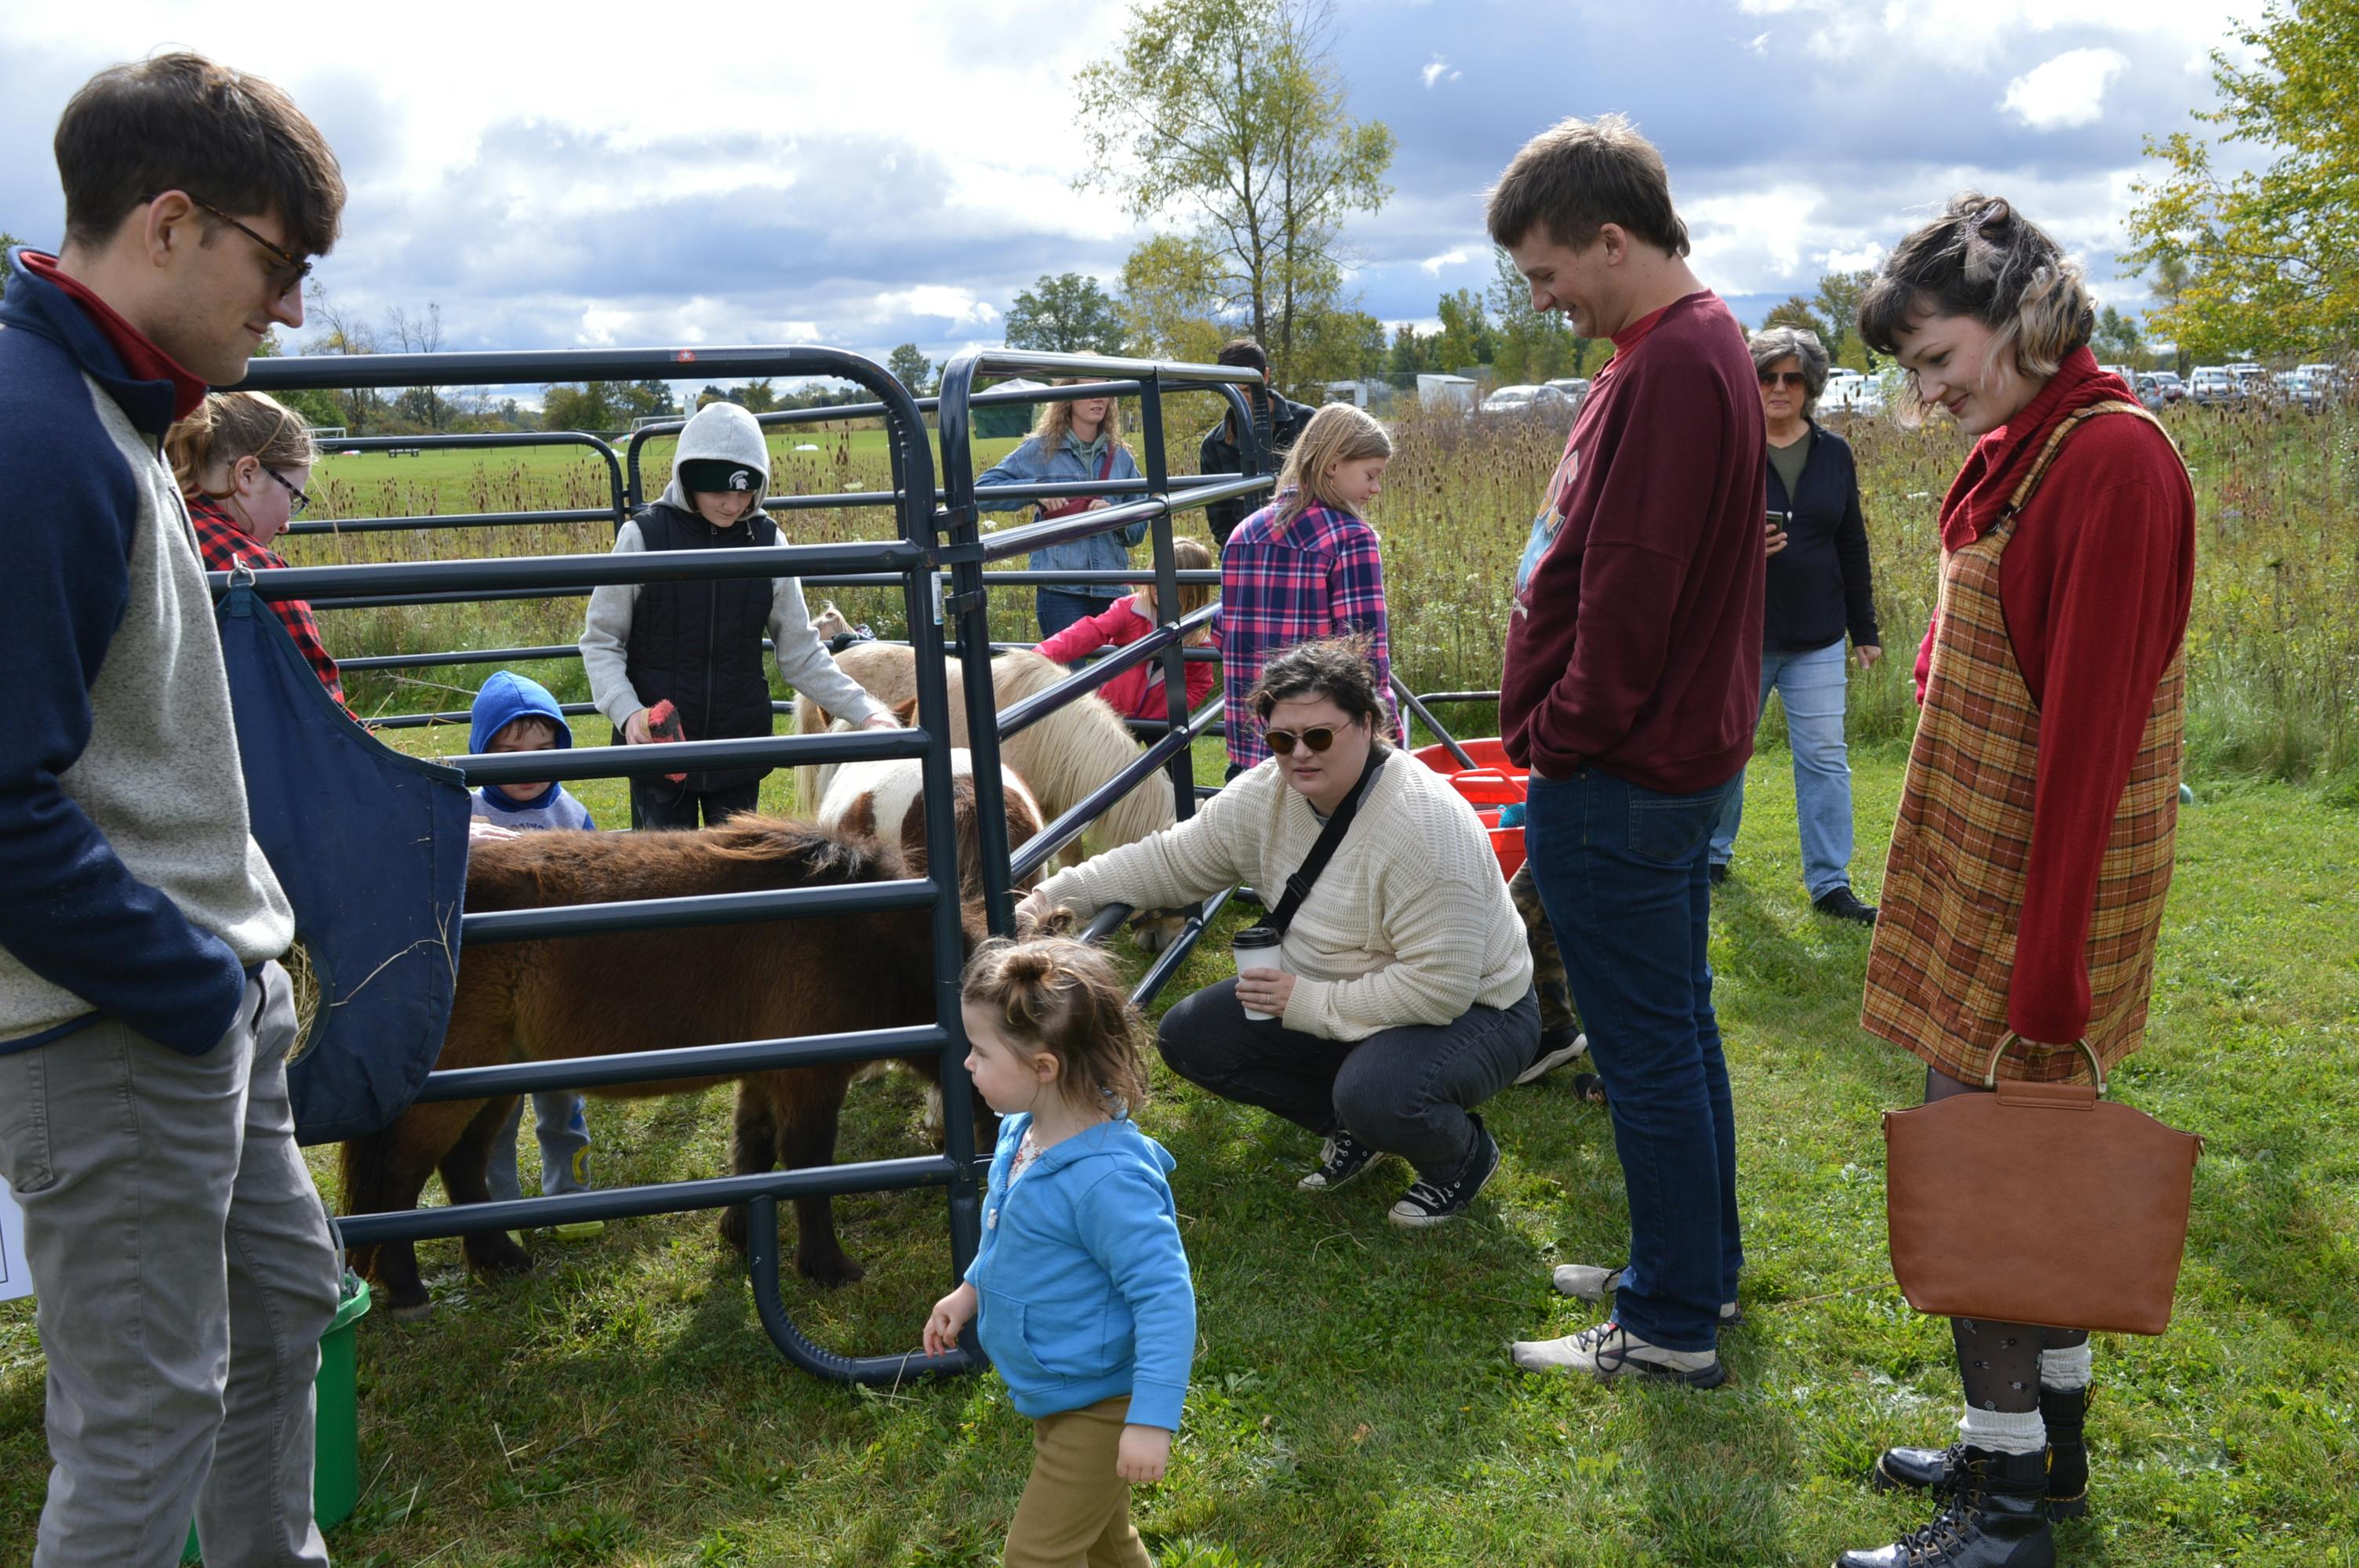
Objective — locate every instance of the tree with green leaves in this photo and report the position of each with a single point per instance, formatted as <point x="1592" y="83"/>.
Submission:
<point x="1068" y="314"/>
<point x="1172" y="305"/>
<point x="1837" y="305"/>
<point x="2116" y="339"/>
<point x="1533" y="345"/>
<point x="359" y="409"/>
<point x="2271" y="254"/>
<point x="757" y="396"/>
<point x="1230" y="115"/>
<point x="910" y="367"/>
<point x="8" y="242"/>
<point x="1796" y="312"/>
<point x="1466" y="339"/>
<point x="1412" y="350"/>
<point x="591" y="405"/>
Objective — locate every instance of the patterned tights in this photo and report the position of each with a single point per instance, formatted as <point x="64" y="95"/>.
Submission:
<point x="1998" y="1362"/>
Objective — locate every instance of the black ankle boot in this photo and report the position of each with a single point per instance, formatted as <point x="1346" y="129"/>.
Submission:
<point x="1916" y="1469"/>
<point x="1935" y="1470"/>
<point x="2065" y="1411"/>
<point x="1996" y="1517"/>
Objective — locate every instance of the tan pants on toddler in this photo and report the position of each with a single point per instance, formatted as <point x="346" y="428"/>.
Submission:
<point x="1076" y="1510"/>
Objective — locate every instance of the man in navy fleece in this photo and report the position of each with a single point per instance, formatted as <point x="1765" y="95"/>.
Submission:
<point x="180" y="1254"/>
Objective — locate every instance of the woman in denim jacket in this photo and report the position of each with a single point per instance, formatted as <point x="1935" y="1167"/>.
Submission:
<point x="1080" y="440"/>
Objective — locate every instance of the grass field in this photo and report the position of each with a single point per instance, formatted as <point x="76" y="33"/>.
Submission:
<point x="1351" y="1404"/>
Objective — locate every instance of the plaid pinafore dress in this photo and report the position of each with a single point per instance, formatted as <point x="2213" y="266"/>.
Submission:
<point x="1943" y="953"/>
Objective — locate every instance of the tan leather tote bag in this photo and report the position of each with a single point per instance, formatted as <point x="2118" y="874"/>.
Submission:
<point x="2039" y="1203"/>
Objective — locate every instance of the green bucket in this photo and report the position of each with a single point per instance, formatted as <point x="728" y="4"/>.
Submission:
<point x="336" y="1441"/>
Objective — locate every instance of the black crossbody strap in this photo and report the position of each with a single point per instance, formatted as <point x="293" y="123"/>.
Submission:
<point x="1297" y="886"/>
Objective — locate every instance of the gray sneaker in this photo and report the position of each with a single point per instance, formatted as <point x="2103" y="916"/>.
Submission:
<point x="1589" y="1283"/>
<point x="1609" y="1350"/>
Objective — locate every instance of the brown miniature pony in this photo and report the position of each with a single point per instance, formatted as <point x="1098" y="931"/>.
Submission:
<point x="651" y="991"/>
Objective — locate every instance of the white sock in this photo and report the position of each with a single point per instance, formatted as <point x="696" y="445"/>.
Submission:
<point x="2065" y="1369"/>
<point x="2003" y="1431"/>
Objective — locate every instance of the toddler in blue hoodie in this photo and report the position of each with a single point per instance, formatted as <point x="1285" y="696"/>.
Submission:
<point x="1080" y="1281"/>
<point x="514" y="713"/>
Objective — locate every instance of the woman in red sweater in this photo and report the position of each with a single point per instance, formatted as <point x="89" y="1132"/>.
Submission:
<point x="2033" y="846"/>
<point x="1138" y="692"/>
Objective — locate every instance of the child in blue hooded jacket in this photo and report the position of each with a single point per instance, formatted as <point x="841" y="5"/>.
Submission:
<point x="516" y="713"/>
<point x="1080" y="1280"/>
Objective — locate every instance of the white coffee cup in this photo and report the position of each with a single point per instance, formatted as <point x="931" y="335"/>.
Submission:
<point x="1256" y="948"/>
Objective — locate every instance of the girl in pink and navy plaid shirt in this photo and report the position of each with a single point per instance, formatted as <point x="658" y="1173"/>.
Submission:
<point x="1307" y="566"/>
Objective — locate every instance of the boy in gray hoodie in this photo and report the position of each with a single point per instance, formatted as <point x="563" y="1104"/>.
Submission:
<point x="698" y="645"/>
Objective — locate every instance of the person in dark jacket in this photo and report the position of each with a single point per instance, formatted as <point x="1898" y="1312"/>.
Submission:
<point x="1277" y="423"/>
<point x="1819" y="591"/>
<point x="698" y="645"/>
<point x="185" y="1270"/>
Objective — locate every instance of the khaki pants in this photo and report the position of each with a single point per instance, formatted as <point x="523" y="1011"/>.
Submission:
<point x="1076" y="1510"/>
<point x="185" y="1276"/>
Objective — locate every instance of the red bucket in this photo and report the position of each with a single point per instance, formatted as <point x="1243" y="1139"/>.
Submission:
<point x="1492" y="783"/>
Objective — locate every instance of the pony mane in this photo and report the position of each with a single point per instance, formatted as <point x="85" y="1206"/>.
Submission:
<point x="818" y="857"/>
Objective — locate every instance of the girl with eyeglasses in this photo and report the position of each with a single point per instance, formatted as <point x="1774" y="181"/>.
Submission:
<point x="243" y="461"/>
<point x="1403" y="999"/>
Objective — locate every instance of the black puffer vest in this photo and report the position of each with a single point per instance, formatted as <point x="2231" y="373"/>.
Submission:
<point x="699" y="643"/>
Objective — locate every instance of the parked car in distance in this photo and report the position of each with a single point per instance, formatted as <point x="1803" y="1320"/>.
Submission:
<point x="2298" y="388"/>
<point x="2129" y="373"/>
<point x="2149" y="389"/>
<point x="2331" y="380"/>
<point x="1576" y="387"/>
<point x="2215" y="384"/>
<point x="1852" y="395"/>
<point x="2250" y="376"/>
<point x="2173" y="389"/>
<point x="1527" y="400"/>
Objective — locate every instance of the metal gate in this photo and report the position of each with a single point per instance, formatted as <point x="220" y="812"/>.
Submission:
<point x="936" y="534"/>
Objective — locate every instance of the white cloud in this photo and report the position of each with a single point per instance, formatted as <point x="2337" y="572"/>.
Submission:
<point x="1436" y="70"/>
<point x="1759" y="44"/>
<point x="1455" y="257"/>
<point x="937" y="301"/>
<point x="2065" y="91"/>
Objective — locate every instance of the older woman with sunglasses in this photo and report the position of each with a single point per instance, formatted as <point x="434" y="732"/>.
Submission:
<point x="242" y="460"/>
<point x="1819" y="591"/>
<point x="1405" y="999"/>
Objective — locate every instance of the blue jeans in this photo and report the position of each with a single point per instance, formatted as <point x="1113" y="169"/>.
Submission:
<point x="1812" y="686"/>
<point x="1621" y="871"/>
<point x="1060" y="607"/>
<point x="564" y="1137"/>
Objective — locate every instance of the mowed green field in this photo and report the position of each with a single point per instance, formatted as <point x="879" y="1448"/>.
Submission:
<point x="1351" y="1403"/>
<point x="805" y="461"/>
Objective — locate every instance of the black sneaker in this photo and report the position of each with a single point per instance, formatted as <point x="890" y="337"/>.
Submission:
<point x="1341" y="1160"/>
<point x="1434" y="1202"/>
<point x="1554" y="1053"/>
<point x="1719" y="872"/>
<point x="1839" y="903"/>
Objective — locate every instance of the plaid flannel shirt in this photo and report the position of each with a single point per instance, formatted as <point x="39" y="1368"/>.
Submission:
<point x="224" y="546"/>
<point x="1317" y="575"/>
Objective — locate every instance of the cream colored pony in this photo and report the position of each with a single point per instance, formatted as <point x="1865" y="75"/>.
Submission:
<point x="1063" y="757"/>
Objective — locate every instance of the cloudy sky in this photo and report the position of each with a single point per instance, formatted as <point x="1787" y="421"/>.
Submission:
<point x="895" y="170"/>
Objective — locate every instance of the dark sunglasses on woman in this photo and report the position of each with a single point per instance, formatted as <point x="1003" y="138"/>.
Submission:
<point x="1318" y="737"/>
<point x="1792" y="378"/>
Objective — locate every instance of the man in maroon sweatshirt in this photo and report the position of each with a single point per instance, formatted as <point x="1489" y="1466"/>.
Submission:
<point x="1632" y="680"/>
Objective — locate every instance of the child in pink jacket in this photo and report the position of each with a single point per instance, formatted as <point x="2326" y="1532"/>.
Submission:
<point x="1137" y="693"/>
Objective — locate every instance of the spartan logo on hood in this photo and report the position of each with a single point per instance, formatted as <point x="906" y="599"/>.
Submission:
<point x="741" y="479"/>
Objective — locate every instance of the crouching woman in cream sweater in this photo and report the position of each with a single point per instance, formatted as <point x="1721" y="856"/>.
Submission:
<point x="1405" y="1000"/>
